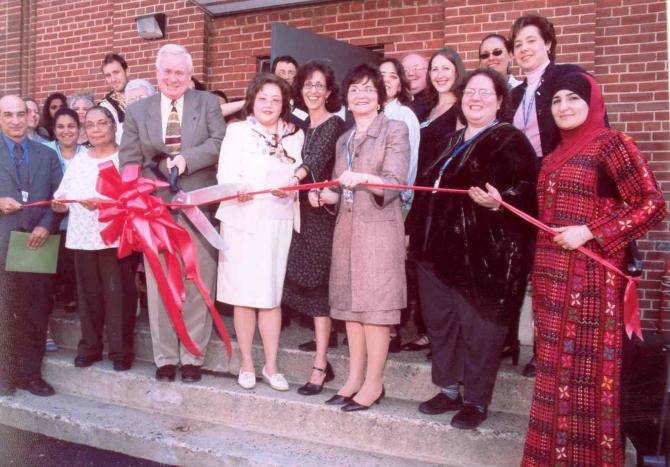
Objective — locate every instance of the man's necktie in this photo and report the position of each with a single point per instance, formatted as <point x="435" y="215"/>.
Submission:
<point x="173" y="131"/>
<point x="24" y="182"/>
<point x="21" y="167"/>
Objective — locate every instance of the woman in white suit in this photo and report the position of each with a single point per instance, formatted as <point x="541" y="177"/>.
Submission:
<point x="259" y="153"/>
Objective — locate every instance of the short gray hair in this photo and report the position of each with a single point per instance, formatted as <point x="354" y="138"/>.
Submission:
<point x="174" y="49"/>
<point x="139" y="84"/>
<point x="72" y="100"/>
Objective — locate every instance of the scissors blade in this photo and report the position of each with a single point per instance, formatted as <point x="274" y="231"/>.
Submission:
<point x="205" y="227"/>
<point x="195" y="215"/>
<point x="210" y="193"/>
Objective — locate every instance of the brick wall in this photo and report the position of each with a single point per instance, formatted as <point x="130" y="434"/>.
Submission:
<point x="14" y="33"/>
<point x="623" y="42"/>
<point x="631" y="62"/>
<point x="400" y="26"/>
<point x="470" y="20"/>
<point x="73" y="36"/>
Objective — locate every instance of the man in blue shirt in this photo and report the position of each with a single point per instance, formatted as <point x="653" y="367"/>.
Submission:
<point x="29" y="172"/>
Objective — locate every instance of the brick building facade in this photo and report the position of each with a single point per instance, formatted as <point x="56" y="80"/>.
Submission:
<point x="57" y="45"/>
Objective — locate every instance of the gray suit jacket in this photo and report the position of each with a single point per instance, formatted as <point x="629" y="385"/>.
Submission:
<point x="202" y="128"/>
<point x="45" y="176"/>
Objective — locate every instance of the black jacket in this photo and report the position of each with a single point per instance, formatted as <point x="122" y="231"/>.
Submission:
<point x="549" y="133"/>
<point x="482" y="253"/>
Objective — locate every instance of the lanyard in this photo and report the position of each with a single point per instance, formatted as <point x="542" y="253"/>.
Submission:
<point x="527" y="109"/>
<point x="347" y="151"/>
<point x="347" y="194"/>
<point x="463" y="146"/>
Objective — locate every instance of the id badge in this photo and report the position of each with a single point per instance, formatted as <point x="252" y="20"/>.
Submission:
<point x="348" y="195"/>
<point x="436" y="185"/>
<point x="24" y="196"/>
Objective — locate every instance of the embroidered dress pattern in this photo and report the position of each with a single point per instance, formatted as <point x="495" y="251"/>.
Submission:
<point x="578" y="305"/>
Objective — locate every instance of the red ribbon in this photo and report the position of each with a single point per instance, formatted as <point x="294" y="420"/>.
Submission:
<point x="141" y="222"/>
<point x="142" y="206"/>
<point x="631" y="305"/>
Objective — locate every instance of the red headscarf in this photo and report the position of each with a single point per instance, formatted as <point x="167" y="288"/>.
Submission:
<point x="572" y="141"/>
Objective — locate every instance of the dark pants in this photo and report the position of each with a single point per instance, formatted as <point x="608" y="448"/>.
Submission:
<point x="24" y="316"/>
<point x="413" y="308"/>
<point x="65" y="280"/>
<point x="466" y="348"/>
<point x="106" y="298"/>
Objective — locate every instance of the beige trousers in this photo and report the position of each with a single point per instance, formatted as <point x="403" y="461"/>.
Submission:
<point x="166" y="346"/>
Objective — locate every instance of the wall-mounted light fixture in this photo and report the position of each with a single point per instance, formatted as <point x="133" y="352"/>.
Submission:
<point x="151" y="27"/>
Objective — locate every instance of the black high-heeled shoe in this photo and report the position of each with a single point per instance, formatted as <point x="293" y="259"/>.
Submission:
<point x="339" y="399"/>
<point x="354" y="406"/>
<point x="311" y="389"/>
<point x="513" y="351"/>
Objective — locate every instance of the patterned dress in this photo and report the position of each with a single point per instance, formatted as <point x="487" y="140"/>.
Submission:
<point x="578" y="305"/>
<point x="306" y="283"/>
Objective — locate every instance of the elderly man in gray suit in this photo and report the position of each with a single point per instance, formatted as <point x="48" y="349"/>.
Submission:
<point x="177" y="128"/>
<point x="29" y="172"/>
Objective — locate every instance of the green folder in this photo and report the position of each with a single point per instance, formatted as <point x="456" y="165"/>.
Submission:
<point x="20" y="258"/>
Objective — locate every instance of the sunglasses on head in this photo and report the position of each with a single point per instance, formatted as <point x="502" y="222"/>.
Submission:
<point x="495" y="53"/>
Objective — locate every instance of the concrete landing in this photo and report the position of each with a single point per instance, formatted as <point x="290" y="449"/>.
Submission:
<point x="407" y="374"/>
<point x="392" y="428"/>
<point x="169" y="439"/>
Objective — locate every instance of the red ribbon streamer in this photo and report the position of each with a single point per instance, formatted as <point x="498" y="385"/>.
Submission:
<point x="156" y="209"/>
<point x="141" y="222"/>
<point x="631" y="305"/>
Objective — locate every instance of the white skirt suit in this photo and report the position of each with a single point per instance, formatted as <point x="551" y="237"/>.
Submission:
<point x="258" y="232"/>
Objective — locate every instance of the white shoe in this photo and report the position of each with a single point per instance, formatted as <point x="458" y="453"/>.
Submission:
<point x="246" y="379"/>
<point x="276" y="381"/>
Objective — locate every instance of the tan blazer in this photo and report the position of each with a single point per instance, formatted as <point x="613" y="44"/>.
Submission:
<point x="368" y="266"/>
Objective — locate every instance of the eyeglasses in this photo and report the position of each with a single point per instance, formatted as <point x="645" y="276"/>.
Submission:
<point x="495" y="53"/>
<point x="104" y="124"/>
<point x="470" y="92"/>
<point x="315" y="86"/>
<point x="414" y="69"/>
<point x="366" y="90"/>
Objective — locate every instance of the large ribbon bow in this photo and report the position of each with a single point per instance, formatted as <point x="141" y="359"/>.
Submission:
<point x="141" y="222"/>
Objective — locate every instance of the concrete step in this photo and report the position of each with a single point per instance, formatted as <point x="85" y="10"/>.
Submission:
<point x="407" y="374"/>
<point x="393" y="428"/>
<point x="170" y="439"/>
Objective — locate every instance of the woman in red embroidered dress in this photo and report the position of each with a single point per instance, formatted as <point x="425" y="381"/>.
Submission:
<point x="597" y="190"/>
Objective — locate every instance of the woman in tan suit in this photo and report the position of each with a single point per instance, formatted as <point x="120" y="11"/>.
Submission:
<point x="367" y="275"/>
